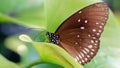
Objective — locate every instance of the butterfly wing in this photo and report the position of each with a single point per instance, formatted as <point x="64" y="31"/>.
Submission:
<point x="80" y="33"/>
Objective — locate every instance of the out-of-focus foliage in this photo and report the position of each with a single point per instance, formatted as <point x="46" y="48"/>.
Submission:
<point x="25" y="12"/>
<point x="115" y="6"/>
<point x="4" y="63"/>
<point x="117" y="15"/>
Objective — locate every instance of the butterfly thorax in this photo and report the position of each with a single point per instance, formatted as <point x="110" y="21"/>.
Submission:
<point x="54" y="38"/>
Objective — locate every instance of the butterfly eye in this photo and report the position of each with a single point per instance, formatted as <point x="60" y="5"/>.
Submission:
<point x="79" y="34"/>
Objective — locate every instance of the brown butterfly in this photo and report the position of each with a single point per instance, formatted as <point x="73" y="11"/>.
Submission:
<point x="79" y="34"/>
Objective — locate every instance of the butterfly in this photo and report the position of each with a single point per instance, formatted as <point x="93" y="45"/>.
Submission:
<point x="80" y="34"/>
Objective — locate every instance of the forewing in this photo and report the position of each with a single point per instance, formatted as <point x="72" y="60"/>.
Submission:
<point x="91" y="18"/>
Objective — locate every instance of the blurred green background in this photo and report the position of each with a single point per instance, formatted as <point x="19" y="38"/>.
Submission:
<point x="29" y="17"/>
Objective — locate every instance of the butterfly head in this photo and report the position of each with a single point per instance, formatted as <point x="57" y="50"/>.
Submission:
<point x="54" y="38"/>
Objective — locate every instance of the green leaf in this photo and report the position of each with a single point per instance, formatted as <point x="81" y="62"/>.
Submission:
<point x="4" y="63"/>
<point x="51" y="53"/>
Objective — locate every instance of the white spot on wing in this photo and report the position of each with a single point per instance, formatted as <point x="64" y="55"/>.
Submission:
<point x="94" y="30"/>
<point x="77" y="58"/>
<point x="92" y="41"/>
<point x="100" y="26"/>
<point x="92" y="49"/>
<point x="88" y="56"/>
<point x="95" y="44"/>
<point x="78" y="20"/>
<point x="88" y="35"/>
<point x="78" y="36"/>
<point x="90" y="46"/>
<point x="96" y="41"/>
<point x="82" y="27"/>
<point x="98" y="34"/>
<point x="105" y="18"/>
<point x="86" y="21"/>
<point x="76" y="43"/>
<point x="86" y="59"/>
<point x="94" y="37"/>
<point x="102" y="23"/>
<point x="100" y="31"/>
<point x="80" y="56"/>
<point x="86" y="49"/>
<point x="91" y="53"/>
<point x="80" y="12"/>
<point x="97" y="23"/>
<point x="83" y="61"/>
